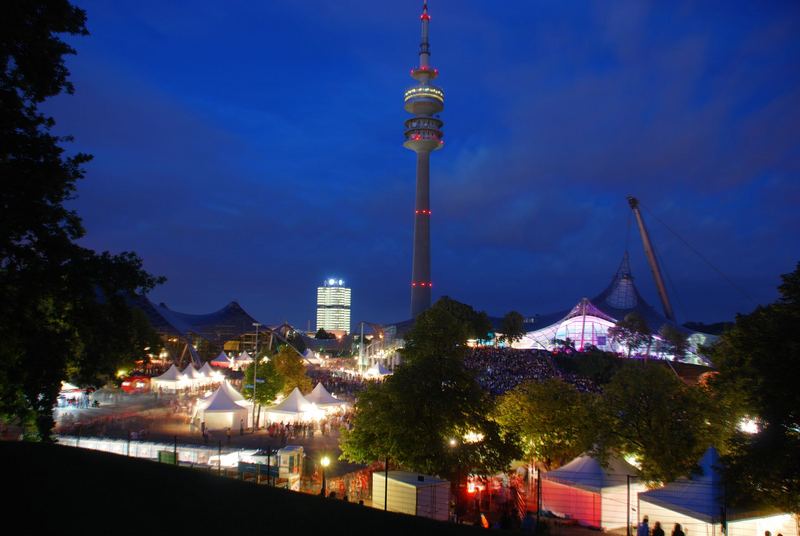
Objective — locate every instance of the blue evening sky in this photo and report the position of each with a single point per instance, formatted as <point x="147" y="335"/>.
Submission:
<point x="248" y="150"/>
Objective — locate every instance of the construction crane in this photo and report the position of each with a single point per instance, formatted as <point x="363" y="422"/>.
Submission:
<point x="651" y="259"/>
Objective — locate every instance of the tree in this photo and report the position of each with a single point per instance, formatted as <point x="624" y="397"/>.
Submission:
<point x="651" y="414"/>
<point x="291" y="368"/>
<point x="430" y="400"/>
<point x="322" y="334"/>
<point x="673" y="341"/>
<point x="759" y="362"/>
<point x="513" y="327"/>
<point x="270" y="386"/>
<point x="592" y="363"/>
<point x="476" y="323"/>
<point x="554" y="421"/>
<point x="65" y="309"/>
<point x="632" y="332"/>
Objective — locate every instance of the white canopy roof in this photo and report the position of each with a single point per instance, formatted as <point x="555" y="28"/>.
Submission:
<point x="191" y="372"/>
<point x="378" y="370"/>
<point x="233" y="393"/>
<point x="221" y="358"/>
<point x="244" y="356"/>
<point x="321" y="397"/>
<point x="586" y="472"/>
<point x="698" y="496"/>
<point x="66" y="386"/>
<point x="171" y="375"/>
<point x="206" y="370"/>
<point x="221" y="400"/>
<point x="294" y="403"/>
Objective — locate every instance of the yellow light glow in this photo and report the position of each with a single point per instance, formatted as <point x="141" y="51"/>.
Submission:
<point x="473" y="437"/>
<point x="453" y="442"/>
<point x="121" y="373"/>
<point x="325" y="461"/>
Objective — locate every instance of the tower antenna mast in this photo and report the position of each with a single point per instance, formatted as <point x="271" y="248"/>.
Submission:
<point x="423" y="135"/>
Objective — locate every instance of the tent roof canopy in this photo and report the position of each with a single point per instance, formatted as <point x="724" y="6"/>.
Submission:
<point x="222" y="400"/>
<point x="171" y="375"/>
<point x="294" y="403"/>
<point x="588" y="473"/>
<point x="321" y="397"/>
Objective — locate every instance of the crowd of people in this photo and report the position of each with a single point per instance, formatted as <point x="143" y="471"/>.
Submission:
<point x="501" y="369"/>
<point x="344" y="386"/>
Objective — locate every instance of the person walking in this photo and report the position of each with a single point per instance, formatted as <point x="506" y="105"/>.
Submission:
<point x="228" y="434"/>
<point x="644" y="528"/>
<point x="676" y="531"/>
<point x="657" y="530"/>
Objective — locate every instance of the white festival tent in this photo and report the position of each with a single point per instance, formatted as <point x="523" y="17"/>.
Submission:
<point x="243" y="360"/>
<point x="171" y="380"/>
<point x="222" y="360"/>
<point x="324" y="400"/>
<point x="591" y="493"/>
<point x="377" y="371"/>
<point x="697" y="502"/>
<point x="209" y="375"/>
<point x="222" y="410"/>
<point x="294" y="408"/>
<point x="193" y="378"/>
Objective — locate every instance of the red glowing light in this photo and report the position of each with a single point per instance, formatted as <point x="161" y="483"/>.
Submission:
<point x="425" y="16"/>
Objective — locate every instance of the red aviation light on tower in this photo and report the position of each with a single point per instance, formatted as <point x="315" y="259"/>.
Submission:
<point x="425" y="15"/>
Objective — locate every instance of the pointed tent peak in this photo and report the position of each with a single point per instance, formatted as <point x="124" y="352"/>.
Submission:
<point x="206" y="370"/>
<point x="295" y="402"/>
<point x="171" y="374"/>
<point x="588" y="472"/>
<point x="624" y="269"/>
<point x="244" y="355"/>
<point x="321" y="396"/>
<point x="233" y="393"/>
<point x="221" y="400"/>
<point x="222" y="358"/>
<point x="586" y="308"/>
<point x="621" y="293"/>
<point x="709" y="466"/>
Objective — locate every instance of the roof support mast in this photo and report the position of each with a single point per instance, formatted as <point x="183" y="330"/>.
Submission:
<point x="651" y="259"/>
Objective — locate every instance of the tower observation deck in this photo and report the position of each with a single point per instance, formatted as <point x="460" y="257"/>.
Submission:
<point x="423" y="135"/>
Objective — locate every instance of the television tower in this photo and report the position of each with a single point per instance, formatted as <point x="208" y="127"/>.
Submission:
<point x="423" y="135"/>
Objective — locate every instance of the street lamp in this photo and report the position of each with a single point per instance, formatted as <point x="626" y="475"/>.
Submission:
<point x="255" y="378"/>
<point x="325" y="462"/>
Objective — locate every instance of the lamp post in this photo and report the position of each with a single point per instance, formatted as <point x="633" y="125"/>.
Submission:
<point x="453" y="445"/>
<point x="255" y="378"/>
<point x="325" y="462"/>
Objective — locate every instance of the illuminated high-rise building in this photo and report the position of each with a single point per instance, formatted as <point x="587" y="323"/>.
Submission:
<point x="423" y="135"/>
<point x="333" y="306"/>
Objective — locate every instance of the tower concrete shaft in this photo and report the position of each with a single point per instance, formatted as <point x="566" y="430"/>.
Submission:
<point x="423" y="135"/>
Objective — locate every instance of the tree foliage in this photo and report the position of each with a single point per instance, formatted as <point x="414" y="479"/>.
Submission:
<point x="324" y="335"/>
<point x="513" y="327"/>
<point x="759" y="363"/>
<point x="64" y="308"/>
<point x="632" y="332"/>
<point x="291" y="368"/>
<point x="430" y="400"/>
<point x="554" y="421"/>
<point x="673" y="341"/>
<point x="651" y="414"/>
<point x="271" y="384"/>
<point x="593" y="364"/>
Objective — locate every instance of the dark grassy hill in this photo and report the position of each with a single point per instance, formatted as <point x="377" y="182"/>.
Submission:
<point x="51" y="487"/>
